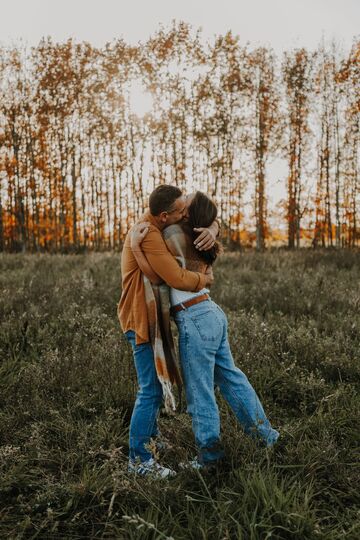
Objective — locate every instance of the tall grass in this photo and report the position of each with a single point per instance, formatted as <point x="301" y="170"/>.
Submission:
<point x="67" y="387"/>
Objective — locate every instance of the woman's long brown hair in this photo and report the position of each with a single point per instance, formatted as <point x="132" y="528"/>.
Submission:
<point x="202" y="213"/>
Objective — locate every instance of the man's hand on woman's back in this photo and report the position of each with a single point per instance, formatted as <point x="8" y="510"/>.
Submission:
<point x="207" y="236"/>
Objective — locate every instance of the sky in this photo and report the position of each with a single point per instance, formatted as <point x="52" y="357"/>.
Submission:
<point x="282" y="24"/>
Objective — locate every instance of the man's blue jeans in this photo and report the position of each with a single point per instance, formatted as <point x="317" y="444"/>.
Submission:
<point x="206" y="361"/>
<point x="143" y="424"/>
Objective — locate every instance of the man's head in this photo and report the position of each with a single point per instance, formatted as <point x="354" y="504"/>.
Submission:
<point x="167" y="204"/>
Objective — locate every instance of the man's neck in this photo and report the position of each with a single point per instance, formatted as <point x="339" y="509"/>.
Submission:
<point x="157" y="222"/>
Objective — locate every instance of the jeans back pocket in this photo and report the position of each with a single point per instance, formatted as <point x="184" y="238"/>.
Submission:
<point x="208" y="324"/>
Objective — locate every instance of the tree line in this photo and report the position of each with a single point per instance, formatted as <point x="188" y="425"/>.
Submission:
<point x="77" y="163"/>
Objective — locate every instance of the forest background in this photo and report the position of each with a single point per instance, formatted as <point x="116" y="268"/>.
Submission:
<point x="86" y="133"/>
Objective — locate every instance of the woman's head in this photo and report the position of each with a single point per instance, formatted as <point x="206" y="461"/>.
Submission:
<point x="201" y="212"/>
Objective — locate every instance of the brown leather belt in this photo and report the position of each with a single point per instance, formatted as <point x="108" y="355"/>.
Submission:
<point x="188" y="303"/>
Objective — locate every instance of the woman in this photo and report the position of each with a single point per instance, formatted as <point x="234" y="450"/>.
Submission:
<point x="205" y="355"/>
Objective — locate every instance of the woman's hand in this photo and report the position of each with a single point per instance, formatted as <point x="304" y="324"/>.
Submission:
<point x="138" y="233"/>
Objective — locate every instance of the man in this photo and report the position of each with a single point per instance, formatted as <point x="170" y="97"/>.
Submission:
<point x="167" y="206"/>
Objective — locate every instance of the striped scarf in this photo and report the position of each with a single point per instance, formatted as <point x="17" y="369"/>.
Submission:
<point x="158" y="309"/>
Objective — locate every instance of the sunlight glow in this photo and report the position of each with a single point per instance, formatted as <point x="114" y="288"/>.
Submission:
<point x="141" y="101"/>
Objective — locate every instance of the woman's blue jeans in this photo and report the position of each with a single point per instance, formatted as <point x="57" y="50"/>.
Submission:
<point x="143" y="424"/>
<point x="206" y="361"/>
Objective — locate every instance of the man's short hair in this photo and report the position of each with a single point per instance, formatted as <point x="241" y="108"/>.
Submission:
<point x="162" y="199"/>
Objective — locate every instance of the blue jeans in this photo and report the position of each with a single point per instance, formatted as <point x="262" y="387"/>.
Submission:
<point x="143" y="424"/>
<point x="206" y="361"/>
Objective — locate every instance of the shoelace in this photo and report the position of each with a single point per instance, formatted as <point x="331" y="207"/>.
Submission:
<point x="151" y="467"/>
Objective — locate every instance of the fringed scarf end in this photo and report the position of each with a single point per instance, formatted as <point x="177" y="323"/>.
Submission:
<point x="169" y="399"/>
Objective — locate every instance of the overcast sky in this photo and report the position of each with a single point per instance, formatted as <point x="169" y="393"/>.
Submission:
<point x="280" y="23"/>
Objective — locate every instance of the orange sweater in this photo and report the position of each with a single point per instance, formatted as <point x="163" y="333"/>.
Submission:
<point x="132" y="310"/>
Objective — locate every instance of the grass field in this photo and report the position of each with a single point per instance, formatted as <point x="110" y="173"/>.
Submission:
<point x="67" y="388"/>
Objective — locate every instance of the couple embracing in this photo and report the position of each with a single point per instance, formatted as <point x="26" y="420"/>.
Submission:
<point x="166" y="269"/>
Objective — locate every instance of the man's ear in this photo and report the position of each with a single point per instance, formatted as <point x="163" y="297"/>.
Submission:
<point x="163" y="217"/>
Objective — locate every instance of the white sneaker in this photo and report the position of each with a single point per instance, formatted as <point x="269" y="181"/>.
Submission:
<point x="150" y="468"/>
